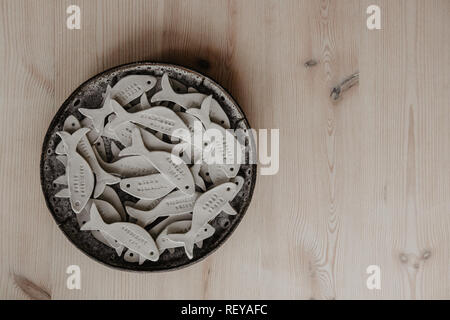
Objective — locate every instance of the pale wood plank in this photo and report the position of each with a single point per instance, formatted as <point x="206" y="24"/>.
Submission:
<point x="26" y="105"/>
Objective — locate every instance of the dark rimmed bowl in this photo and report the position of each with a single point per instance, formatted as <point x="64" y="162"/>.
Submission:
<point x="89" y="94"/>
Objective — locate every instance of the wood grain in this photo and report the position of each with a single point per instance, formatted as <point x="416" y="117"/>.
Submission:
<point x="363" y="181"/>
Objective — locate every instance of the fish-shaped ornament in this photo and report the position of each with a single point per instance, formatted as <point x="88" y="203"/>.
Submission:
<point x="109" y="215"/>
<point x="206" y="208"/>
<point x="149" y="187"/>
<point x="160" y="119"/>
<point x="164" y="242"/>
<point x="99" y="115"/>
<point x="174" y="204"/>
<point x="190" y="100"/>
<point x="127" y="234"/>
<point x="78" y="171"/>
<point x="171" y="166"/>
<point x="126" y="167"/>
<point x="102" y="178"/>
<point x="132" y="87"/>
<point x="223" y="149"/>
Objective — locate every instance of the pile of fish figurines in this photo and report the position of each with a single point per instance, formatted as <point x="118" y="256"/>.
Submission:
<point x="152" y="123"/>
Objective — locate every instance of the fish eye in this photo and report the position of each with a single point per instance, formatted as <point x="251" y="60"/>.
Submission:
<point x="131" y="254"/>
<point x="152" y="253"/>
<point x="148" y="82"/>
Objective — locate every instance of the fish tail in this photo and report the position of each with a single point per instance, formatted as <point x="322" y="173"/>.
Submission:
<point x="95" y="222"/>
<point x="102" y="179"/>
<point x="143" y="218"/>
<point x="118" y="109"/>
<point x="70" y="142"/>
<point x="188" y="239"/>
<point x="96" y="115"/>
<point x="137" y="145"/>
<point x="203" y="113"/>
<point x="166" y="91"/>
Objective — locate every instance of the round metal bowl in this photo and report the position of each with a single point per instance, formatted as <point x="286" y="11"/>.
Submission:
<point x="90" y="94"/>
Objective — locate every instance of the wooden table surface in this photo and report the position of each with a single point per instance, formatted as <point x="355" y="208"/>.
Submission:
<point x="362" y="181"/>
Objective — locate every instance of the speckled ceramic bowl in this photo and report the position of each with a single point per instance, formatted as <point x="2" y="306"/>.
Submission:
<point x="90" y="93"/>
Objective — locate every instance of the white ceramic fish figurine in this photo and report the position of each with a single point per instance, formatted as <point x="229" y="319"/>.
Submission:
<point x="102" y="178"/>
<point x="206" y="208"/>
<point x="160" y="119"/>
<point x="132" y="87"/>
<point x="79" y="173"/>
<point x="173" y="167"/>
<point x="129" y="235"/>
<point x="174" y="204"/>
<point x="98" y="115"/>
<point x="126" y="167"/>
<point x="190" y="100"/>
<point x="148" y="187"/>
<point x="164" y="242"/>
<point x="109" y="215"/>
<point x="224" y="150"/>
